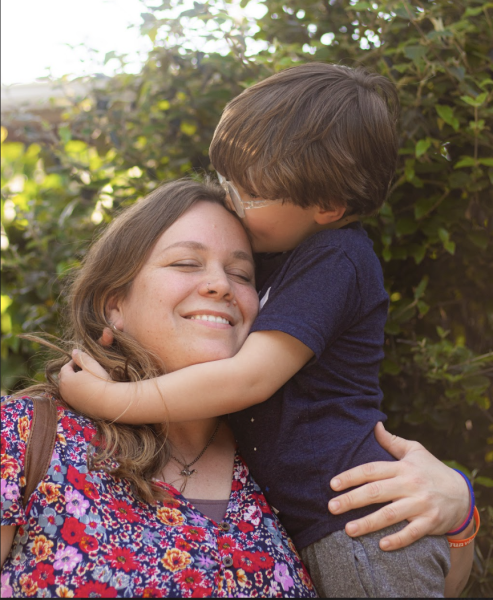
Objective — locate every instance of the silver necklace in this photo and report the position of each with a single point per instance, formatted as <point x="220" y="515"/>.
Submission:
<point x="186" y="466"/>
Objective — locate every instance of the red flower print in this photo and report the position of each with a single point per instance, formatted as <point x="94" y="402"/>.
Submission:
<point x="245" y="527"/>
<point x="124" y="511"/>
<point x="90" y="491"/>
<point x="89" y="433"/>
<point x="95" y="589"/>
<point x="72" y="530"/>
<point x="252" y="561"/>
<point x="44" y="575"/>
<point x="123" y="558"/>
<point x="70" y="426"/>
<point x="226" y="544"/>
<point x="263" y="560"/>
<point x="236" y="486"/>
<point x="202" y="592"/>
<point x="88" y="543"/>
<point x="245" y="560"/>
<point x="189" y="578"/>
<point x="182" y="544"/>
<point x="3" y="446"/>
<point x="194" y="534"/>
<point x="262" y="502"/>
<point x="77" y="479"/>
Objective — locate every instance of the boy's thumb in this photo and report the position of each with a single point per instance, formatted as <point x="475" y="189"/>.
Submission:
<point x="395" y="445"/>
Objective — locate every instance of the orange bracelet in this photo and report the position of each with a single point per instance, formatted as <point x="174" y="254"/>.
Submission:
<point x="466" y="542"/>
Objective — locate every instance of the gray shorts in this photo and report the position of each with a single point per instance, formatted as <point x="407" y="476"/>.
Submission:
<point x="344" y="567"/>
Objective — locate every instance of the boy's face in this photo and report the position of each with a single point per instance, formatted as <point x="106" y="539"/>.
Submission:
<point x="278" y="227"/>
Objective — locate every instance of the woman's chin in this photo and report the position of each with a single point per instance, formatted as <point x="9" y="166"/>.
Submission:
<point x="198" y="357"/>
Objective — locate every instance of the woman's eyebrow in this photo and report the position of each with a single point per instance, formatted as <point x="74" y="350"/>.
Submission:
<point x="239" y="254"/>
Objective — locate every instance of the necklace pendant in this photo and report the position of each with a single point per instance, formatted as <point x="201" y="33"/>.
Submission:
<point x="187" y="473"/>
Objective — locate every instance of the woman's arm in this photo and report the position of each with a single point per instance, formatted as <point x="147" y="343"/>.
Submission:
<point x="8" y="533"/>
<point x="267" y="360"/>
<point x="460" y="565"/>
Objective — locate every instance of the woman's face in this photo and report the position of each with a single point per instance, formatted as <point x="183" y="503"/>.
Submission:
<point x="194" y="299"/>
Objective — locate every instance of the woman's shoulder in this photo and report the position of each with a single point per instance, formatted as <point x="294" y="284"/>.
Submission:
<point x="17" y="417"/>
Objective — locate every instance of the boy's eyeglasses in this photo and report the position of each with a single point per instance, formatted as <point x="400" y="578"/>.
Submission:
<point x="241" y="205"/>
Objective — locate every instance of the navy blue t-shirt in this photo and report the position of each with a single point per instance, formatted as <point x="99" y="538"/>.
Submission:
<point x="329" y="294"/>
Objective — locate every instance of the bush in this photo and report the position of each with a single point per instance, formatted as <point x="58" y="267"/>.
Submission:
<point x="434" y="234"/>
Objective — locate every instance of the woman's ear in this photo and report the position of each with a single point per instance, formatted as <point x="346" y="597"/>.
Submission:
<point x="114" y="312"/>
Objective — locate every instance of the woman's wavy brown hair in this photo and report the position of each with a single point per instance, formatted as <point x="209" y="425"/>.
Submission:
<point x="136" y="453"/>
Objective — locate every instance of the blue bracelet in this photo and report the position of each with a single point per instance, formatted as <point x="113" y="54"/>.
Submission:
<point x="471" y="509"/>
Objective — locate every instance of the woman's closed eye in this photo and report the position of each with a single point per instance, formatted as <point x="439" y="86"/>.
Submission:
<point x="185" y="264"/>
<point x="241" y="275"/>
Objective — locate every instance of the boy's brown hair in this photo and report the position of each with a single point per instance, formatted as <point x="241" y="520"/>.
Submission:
<point x="315" y="134"/>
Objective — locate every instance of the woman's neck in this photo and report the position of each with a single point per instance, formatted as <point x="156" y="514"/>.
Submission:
<point x="189" y="438"/>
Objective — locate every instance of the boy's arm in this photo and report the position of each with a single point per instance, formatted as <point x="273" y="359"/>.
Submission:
<point x="267" y="360"/>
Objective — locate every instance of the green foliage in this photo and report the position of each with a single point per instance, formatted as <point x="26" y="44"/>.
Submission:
<point x="433" y="235"/>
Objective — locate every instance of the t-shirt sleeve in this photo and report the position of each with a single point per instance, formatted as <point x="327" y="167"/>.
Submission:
<point x="16" y="425"/>
<point x="316" y="299"/>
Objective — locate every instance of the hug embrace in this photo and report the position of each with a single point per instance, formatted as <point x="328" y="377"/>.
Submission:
<point x="150" y="490"/>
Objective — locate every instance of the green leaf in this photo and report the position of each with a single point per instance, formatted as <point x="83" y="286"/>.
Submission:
<point x="486" y="481"/>
<point x="478" y="383"/>
<point x="449" y="247"/>
<point x="466" y="161"/>
<point x="387" y="254"/>
<point x="447" y="114"/>
<point x="415" y="53"/>
<point x="421" y="147"/>
<point x="443" y="234"/>
<point x="188" y="128"/>
<point x="421" y="288"/>
<point x="487" y="162"/>
<point x="478" y="101"/>
<point x="65" y="133"/>
<point x="406" y="226"/>
<point x="418" y="254"/>
<point x="423" y="308"/>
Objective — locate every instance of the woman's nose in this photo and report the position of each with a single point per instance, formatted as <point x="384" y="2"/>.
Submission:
<point x="217" y="286"/>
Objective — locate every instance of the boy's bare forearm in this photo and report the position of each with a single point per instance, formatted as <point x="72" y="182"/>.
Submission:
<point x="265" y="362"/>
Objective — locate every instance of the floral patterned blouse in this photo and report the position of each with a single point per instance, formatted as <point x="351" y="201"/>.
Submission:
<point x="85" y="534"/>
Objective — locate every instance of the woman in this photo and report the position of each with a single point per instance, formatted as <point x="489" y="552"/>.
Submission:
<point x="129" y="511"/>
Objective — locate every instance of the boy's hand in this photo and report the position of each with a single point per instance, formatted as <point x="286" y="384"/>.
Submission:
<point x="76" y="387"/>
<point x="421" y="489"/>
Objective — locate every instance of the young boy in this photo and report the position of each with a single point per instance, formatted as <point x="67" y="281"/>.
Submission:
<point x="303" y="154"/>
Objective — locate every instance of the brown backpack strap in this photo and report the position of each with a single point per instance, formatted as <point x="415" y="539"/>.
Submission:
<point x="40" y="445"/>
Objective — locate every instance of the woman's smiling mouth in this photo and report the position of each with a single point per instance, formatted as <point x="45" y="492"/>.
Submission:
<point x="212" y="319"/>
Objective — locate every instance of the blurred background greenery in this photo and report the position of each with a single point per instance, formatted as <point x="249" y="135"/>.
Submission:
<point x="66" y="170"/>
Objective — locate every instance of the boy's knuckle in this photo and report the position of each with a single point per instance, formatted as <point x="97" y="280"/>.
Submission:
<point x="413" y="532"/>
<point x="389" y="514"/>
<point x="374" y="490"/>
<point x="368" y="469"/>
<point x="347" y="501"/>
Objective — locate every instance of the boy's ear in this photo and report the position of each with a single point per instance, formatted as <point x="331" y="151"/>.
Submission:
<point x="325" y="216"/>
<point x="114" y="312"/>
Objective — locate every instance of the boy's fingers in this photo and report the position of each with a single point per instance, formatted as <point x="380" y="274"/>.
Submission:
<point x="68" y="368"/>
<point x="377" y="492"/>
<point x="392" y="513"/>
<point x="87" y="363"/>
<point x="411" y="533"/>
<point x="364" y="474"/>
